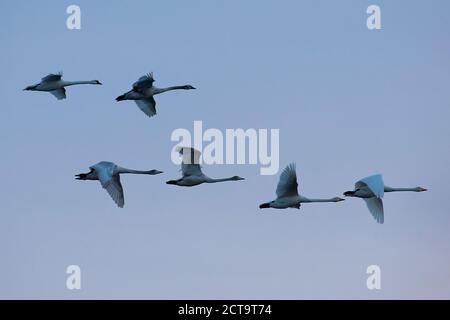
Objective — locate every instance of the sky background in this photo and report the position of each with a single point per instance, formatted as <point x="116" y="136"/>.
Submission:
<point x="349" y="102"/>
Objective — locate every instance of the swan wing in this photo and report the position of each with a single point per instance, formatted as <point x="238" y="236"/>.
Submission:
<point x="287" y="185"/>
<point x="190" y="164"/>
<point x="148" y="106"/>
<point x="110" y="182"/>
<point x="374" y="183"/>
<point x="52" y="77"/>
<point x="60" y="93"/>
<point x="144" y="82"/>
<point x="375" y="206"/>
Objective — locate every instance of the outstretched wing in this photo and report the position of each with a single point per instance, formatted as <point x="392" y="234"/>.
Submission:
<point x="144" y="82"/>
<point x="111" y="183"/>
<point x="374" y="183"/>
<point x="190" y="164"/>
<point x="287" y="185"/>
<point x="148" y="106"/>
<point x="60" y="93"/>
<point x="375" y="206"/>
<point x="52" y="77"/>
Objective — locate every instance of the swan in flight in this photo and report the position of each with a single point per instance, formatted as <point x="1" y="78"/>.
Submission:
<point x="143" y="92"/>
<point x="371" y="189"/>
<point x="287" y="193"/>
<point x="191" y="171"/>
<point x="54" y="84"/>
<point x="108" y="174"/>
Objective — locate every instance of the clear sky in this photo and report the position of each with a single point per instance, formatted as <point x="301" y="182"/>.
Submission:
<point x="349" y="102"/>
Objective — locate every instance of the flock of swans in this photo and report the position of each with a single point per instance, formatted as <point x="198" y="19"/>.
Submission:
<point x="371" y="189"/>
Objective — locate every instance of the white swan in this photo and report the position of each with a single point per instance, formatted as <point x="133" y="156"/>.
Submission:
<point x="371" y="189"/>
<point x="191" y="171"/>
<point x="143" y="92"/>
<point x="287" y="193"/>
<point x="108" y="174"/>
<point x="54" y="84"/>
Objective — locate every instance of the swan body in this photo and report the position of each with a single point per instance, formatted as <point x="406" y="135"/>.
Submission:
<point x="108" y="173"/>
<point x="54" y="84"/>
<point x="143" y="93"/>
<point x="371" y="189"/>
<point x="192" y="172"/>
<point x="287" y="192"/>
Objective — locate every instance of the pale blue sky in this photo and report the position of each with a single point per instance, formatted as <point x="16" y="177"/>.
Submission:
<point x="349" y="102"/>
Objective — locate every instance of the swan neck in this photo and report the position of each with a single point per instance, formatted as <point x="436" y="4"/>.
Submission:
<point x="210" y="180"/>
<point x="72" y="83"/>
<point x="390" y="189"/>
<point x="303" y="199"/>
<point x="161" y="90"/>
<point x="131" y="171"/>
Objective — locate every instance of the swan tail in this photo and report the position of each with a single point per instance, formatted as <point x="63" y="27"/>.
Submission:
<point x="81" y="176"/>
<point x="121" y="98"/>
<point x="264" y="205"/>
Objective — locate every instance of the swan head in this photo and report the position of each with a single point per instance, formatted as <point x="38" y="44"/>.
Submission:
<point x="420" y="189"/>
<point x="188" y="87"/>
<point x="236" y="178"/>
<point x="337" y="199"/>
<point x="349" y="194"/>
<point x="96" y="82"/>
<point x="171" y="182"/>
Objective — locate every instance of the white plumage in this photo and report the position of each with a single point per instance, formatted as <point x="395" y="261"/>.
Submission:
<point x="54" y="84"/>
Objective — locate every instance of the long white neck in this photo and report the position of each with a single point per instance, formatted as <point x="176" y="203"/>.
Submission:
<point x="307" y="200"/>
<point x="125" y="170"/>
<point x="161" y="90"/>
<point x="389" y="189"/>
<point x="72" y="83"/>
<point x="210" y="180"/>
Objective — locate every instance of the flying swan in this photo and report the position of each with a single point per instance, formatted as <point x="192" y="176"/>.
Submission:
<point x="287" y="193"/>
<point x="191" y="171"/>
<point x="371" y="189"/>
<point x="143" y="92"/>
<point x="54" y="84"/>
<point x="108" y="174"/>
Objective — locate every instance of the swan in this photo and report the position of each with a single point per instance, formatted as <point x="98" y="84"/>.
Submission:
<point x="143" y="92"/>
<point x="108" y="173"/>
<point x="371" y="189"/>
<point x="287" y="193"/>
<point x="191" y="171"/>
<point x="54" y="84"/>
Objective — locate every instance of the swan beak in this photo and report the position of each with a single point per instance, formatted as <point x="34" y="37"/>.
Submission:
<point x="340" y="199"/>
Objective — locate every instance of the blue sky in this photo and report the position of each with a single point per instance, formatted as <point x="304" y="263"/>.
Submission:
<point x="349" y="102"/>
